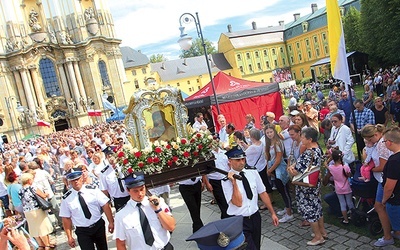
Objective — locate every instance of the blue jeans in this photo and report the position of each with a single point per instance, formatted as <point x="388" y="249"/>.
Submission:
<point x="393" y="212"/>
<point x="379" y="193"/>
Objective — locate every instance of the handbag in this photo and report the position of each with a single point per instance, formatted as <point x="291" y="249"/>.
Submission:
<point x="43" y="203"/>
<point x="309" y="177"/>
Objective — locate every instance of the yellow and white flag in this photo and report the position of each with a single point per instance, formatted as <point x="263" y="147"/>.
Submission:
<point x="337" y="47"/>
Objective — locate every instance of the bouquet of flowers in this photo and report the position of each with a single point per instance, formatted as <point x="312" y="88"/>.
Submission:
<point x="167" y="154"/>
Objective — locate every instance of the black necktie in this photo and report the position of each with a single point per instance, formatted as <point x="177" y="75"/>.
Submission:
<point x="246" y="186"/>
<point x="121" y="186"/>
<point x="84" y="206"/>
<point x="148" y="235"/>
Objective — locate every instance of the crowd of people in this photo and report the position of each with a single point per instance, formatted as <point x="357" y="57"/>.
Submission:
<point x="280" y="153"/>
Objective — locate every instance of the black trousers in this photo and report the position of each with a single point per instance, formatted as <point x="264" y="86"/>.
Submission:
<point x="359" y="142"/>
<point x="94" y="235"/>
<point x="120" y="202"/>
<point x="252" y="231"/>
<point x="191" y="194"/>
<point x="219" y="197"/>
<point x="264" y="177"/>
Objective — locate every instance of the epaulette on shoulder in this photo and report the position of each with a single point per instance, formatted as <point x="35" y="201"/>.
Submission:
<point x="90" y="186"/>
<point x="105" y="169"/>
<point x="250" y="167"/>
<point x="66" y="194"/>
<point x="119" y="209"/>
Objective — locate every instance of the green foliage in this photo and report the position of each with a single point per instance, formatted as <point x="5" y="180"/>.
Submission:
<point x="305" y="80"/>
<point x="352" y="32"/>
<point x="197" y="49"/>
<point x="157" y="58"/>
<point x="380" y="26"/>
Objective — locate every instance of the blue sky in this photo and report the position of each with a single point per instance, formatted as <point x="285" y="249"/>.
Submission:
<point x="152" y="26"/>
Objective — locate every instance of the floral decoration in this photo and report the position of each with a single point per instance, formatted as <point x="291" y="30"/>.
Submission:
<point x="167" y="154"/>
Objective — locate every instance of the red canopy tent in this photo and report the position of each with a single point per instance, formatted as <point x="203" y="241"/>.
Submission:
<point x="237" y="97"/>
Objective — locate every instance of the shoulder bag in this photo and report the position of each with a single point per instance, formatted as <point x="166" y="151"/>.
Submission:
<point x="43" y="203"/>
<point x="309" y="178"/>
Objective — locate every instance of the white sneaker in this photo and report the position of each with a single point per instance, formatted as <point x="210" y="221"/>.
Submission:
<point x="282" y="212"/>
<point x="286" y="218"/>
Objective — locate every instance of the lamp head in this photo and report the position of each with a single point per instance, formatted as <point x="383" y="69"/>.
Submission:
<point x="185" y="41"/>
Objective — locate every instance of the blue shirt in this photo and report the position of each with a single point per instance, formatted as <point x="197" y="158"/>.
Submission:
<point x="364" y="117"/>
<point x="346" y="106"/>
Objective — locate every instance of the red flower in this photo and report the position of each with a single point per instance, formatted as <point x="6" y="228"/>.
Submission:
<point x="168" y="146"/>
<point x="141" y="164"/>
<point x="156" y="160"/>
<point x="126" y="161"/>
<point x="198" y="135"/>
<point x="121" y="154"/>
<point x="183" y="141"/>
<point x="170" y="162"/>
<point x="186" y="154"/>
<point x="192" y="140"/>
<point x="130" y="170"/>
<point x="200" y="146"/>
<point x="195" y="153"/>
<point x="175" y="158"/>
<point x="158" y="150"/>
<point x="150" y="160"/>
<point x="138" y="154"/>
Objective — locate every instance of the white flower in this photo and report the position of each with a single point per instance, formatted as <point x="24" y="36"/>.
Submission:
<point x="156" y="143"/>
<point x="164" y="143"/>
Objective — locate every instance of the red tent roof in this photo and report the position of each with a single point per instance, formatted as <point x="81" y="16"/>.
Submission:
<point x="224" y="84"/>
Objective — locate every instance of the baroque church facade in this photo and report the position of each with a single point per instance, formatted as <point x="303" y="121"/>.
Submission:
<point x="58" y="59"/>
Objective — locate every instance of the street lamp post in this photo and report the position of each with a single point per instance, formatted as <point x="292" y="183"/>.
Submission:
<point x="185" y="42"/>
<point x="8" y="101"/>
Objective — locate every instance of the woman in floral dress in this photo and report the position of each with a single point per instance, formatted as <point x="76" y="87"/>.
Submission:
<point x="308" y="197"/>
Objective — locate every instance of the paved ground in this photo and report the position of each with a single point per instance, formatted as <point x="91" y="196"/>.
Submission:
<point x="285" y="236"/>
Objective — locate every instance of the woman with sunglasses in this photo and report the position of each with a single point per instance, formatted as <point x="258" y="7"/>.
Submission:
<point x="341" y="137"/>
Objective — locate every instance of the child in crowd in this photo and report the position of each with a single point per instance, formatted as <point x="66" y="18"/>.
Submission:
<point x="340" y="174"/>
<point x="368" y="163"/>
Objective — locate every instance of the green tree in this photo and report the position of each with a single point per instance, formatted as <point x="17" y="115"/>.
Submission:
<point x="157" y="58"/>
<point x="197" y="49"/>
<point x="380" y="26"/>
<point x="351" y="27"/>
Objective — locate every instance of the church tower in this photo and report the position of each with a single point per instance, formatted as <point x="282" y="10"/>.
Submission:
<point x="57" y="60"/>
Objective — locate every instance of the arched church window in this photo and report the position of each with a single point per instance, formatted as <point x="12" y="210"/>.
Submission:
<point x="104" y="74"/>
<point x="49" y="77"/>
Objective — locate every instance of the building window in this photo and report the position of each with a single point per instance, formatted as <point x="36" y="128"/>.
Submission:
<point x="144" y="70"/>
<point x="190" y="89"/>
<point x="136" y="84"/>
<point x="294" y="75"/>
<point x="198" y="80"/>
<point x="291" y="60"/>
<point x="49" y="77"/>
<point x="283" y="61"/>
<point x="307" y="43"/>
<point x="239" y="57"/>
<point x="104" y="74"/>
<point x="302" y="73"/>
<point x="134" y="72"/>
<point x="250" y="68"/>
<point x="273" y="52"/>
<point x="259" y="66"/>
<point x="267" y="64"/>
<point x="241" y="68"/>
<point x="317" y="52"/>
<point x="326" y="49"/>
<point x="315" y="39"/>
<point x="305" y="26"/>
<point x="248" y="55"/>
<point x="299" y="57"/>
<point x="323" y="36"/>
<point x="177" y="84"/>
<point x="188" y="82"/>
<point x="298" y="45"/>
<point x="281" y="50"/>
<point x="290" y="48"/>
<point x="342" y="11"/>
<point x="262" y="80"/>
<point x="309" y="54"/>
<point x="265" y="52"/>
<point x="198" y="87"/>
<point x="275" y="63"/>
<point x="256" y="53"/>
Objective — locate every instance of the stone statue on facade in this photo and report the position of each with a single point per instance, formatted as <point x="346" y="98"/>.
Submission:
<point x="39" y="113"/>
<point x="34" y="21"/>
<point x="65" y="38"/>
<point x="9" y="45"/>
<point x="83" y="103"/>
<point x="89" y="13"/>
<point x="53" y="37"/>
<point x="72" y="107"/>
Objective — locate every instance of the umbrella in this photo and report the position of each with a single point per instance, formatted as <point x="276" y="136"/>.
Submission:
<point x="31" y="136"/>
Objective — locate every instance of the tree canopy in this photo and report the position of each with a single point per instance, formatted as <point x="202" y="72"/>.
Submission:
<point x="197" y="49"/>
<point x="351" y="27"/>
<point x="158" y="58"/>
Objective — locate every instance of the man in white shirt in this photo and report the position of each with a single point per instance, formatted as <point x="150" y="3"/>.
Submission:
<point x="223" y="136"/>
<point x="200" y="124"/>
<point x="284" y="123"/>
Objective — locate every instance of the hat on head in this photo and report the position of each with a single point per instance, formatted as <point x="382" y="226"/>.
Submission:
<point x="222" y="234"/>
<point x="74" y="173"/>
<point x="294" y="112"/>
<point x="270" y="114"/>
<point x="235" y="153"/>
<point x="135" y="179"/>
